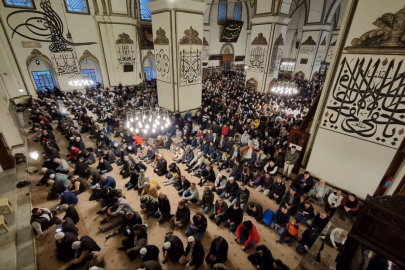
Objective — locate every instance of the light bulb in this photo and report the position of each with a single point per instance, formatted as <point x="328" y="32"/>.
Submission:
<point x="132" y="119"/>
<point x="34" y="155"/>
<point x="131" y="129"/>
<point x="137" y="130"/>
<point x="144" y="131"/>
<point x="153" y="130"/>
<point x="136" y="118"/>
<point x="147" y="126"/>
<point x="154" y="125"/>
<point x="161" y="128"/>
<point x="158" y="117"/>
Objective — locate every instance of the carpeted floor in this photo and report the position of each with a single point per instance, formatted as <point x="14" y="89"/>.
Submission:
<point x="237" y="259"/>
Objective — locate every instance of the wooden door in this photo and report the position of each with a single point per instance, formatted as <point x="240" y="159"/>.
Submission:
<point x="6" y="159"/>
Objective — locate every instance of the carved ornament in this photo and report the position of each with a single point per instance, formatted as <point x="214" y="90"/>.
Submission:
<point x="279" y="41"/>
<point x="124" y="39"/>
<point x="259" y="40"/>
<point x="161" y="38"/>
<point x="309" y="42"/>
<point x="191" y="37"/>
<point x="36" y="54"/>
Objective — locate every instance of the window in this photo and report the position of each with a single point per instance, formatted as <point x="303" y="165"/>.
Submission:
<point x="237" y="12"/>
<point x="19" y="3"/>
<point x="43" y="79"/>
<point x="146" y="15"/>
<point x="147" y="73"/>
<point x="89" y="74"/>
<point x="222" y="12"/>
<point x="77" y="6"/>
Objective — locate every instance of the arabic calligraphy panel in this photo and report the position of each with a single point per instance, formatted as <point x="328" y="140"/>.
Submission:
<point x="205" y="54"/>
<point x="65" y="63"/>
<point x="275" y="60"/>
<point x="307" y="49"/>
<point x="190" y="64"/>
<point x="318" y="58"/>
<point x="257" y="58"/>
<point x="367" y="100"/>
<point x="126" y="54"/>
<point x="330" y="54"/>
<point x="162" y="57"/>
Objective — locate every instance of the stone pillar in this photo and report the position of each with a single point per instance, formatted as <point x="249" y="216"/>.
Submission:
<point x="264" y="59"/>
<point x="359" y="124"/>
<point x="311" y="50"/>
<point x="178" y="34"/>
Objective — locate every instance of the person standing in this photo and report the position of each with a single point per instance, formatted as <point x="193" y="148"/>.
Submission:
<point x="291" y="156"/>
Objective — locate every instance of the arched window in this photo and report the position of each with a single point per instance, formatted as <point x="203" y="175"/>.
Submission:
<point x="77" y="6"/>
<point x="146" y="15"/>
<point x="19" y="3"/>
<point x="222" y="12"/>
<point x="237" y="12"/>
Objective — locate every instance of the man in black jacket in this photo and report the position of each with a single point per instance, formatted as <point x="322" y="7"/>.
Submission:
<point x="303" y="183"/>
<point x="182" y="217"/>
<point x="218" y="251"/>
<point x="291" y="200"/>
<point x="255" y="210"/>
<point x="196" y="258"/>
<point x="234" y="217"/>
<point x="149" y="253"/>
<point x="278" y="190"/>
<point x="198" y="226"/>
<point x="163" y="214"/>
<point x="67" y="225"/>
<point x="172" y="248"/>
<point x="161" y="166"/>
<point x="85" y="246"/>
<point x="231" y="189"/>
<point x="262" y="258"/>
<point x="70" y="211"/>
<point x="281" y="218"/>
<point x="207" y="174"/>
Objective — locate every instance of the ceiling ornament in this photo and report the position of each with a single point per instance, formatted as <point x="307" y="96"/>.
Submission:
<point x="191" y="37"/>
<point x="323" y="43"/>
<point x="259" y="40"/>
<point x="389" y="38"/>
<point x="161" y="38"/>
<point x="124" y="39"/>
<point x="309" y="42"/>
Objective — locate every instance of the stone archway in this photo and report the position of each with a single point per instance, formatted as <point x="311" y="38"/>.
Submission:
<point x="273" y="82"/>
<point x="251" y="84"/>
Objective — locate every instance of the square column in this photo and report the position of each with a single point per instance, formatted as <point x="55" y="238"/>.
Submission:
<point x="178" y="34"/>
<point x="264" y="59"/>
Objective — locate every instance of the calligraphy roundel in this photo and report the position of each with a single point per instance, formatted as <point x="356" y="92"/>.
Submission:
<point x="162" y="63"/>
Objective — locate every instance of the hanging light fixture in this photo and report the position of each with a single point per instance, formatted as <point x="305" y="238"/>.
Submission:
<point x="147" y="120"/>
<point x="284" y="88"/>
<point x="79" y="80"/>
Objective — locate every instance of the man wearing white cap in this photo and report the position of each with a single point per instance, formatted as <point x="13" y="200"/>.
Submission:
<point x="149" y="253"/>
<point x="64" y="241"/>
<point x="46" y="172"/>
<point x="84" y="248"/>
<point x="193" y="255"/>
<point x="172" y="248"/>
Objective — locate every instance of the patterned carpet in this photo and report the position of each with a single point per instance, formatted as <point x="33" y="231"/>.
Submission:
<point x="81" y="225"/>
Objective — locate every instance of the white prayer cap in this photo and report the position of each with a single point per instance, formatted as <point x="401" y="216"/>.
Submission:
<point x="52" y="176"/>
<point x="44" y="169"/>
<point x="231" y="178"/>
<point x="115" y="144"/>
<point x="219" y="175"/>
<point x="72" y="138"/>
<point x="59" y="235"/>
<point x="167" y="245"/>
<point x="129" y="147"/>
<point x="191" y="239"/>
<point x="76" y="245"/>
<point x="64" y="207"/>
<point x="143" y="251"/>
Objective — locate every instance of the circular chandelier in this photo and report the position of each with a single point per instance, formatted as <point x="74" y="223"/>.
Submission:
<point x="147" y="120"/>
<point x="78" y="80"/>
<point x="284" y="88"/>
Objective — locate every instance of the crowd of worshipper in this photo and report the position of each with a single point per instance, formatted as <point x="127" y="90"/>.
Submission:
<point x="236" y="132"/>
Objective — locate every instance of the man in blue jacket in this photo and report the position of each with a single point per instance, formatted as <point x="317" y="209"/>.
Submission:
<point x="107" y="182"/>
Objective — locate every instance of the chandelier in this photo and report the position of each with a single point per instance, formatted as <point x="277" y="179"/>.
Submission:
<point x="147" y="120"/>
<point x="284" y="88"/>
<point x="79" y="80"/>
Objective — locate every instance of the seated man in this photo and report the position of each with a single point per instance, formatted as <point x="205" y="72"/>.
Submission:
<point x="220" y="211"/>
<point x="349" y="206"/>
<point x="305" y="211"/>
<point x="163" y="212"/>
<point x="71" y="212"/>
<point x="172" y="248"/>
<point x="291" y="200"/>
<point x="84" y="247"/>
<point x="198" y="226"/>
<point x="336" y="238"/>
<point x="149" y="253"/>
<point x="64" y="241"/>
<point x="319" y="222"/>
<point x="194" y="259"/>
<point x="149" y="205"/>
<point x="67" y="225"/>
<point x="191" y="194"/>
<point x="219" y="184"/>
<point x="262" y="258"/>
<point x="307" y="240"/>
<point x="181" y="218"/>
<point x="255" y="210"/>
<point x="206" y="174"/>
<point x="77" y="186"/>
<point x="207" y="200"/>
<point x="135" y="241"/>
<point x="234" y="217"/>
<point x="247" y="235"/>
<point x="303" y="183"/>
<point x="41" y="220"/>
<point x="161" y="166"/>
<point x="218" y="251"/>
<point x="68" y="198"/>
<point x="318" y="193"/>
<point x="281" y="218"/>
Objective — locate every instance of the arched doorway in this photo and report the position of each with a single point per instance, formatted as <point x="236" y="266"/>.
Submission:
<point x="90" y="67"/>
<point x="149" y="66"/>
<point x="41" y="70"/>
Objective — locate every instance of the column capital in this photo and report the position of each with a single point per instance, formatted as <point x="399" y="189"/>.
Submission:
<point x="189" y="5"/>
<point x="270" y="20"/>
<point x="317" y="27"/>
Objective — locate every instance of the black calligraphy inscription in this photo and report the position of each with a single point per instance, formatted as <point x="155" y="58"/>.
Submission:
<point x="368" y="100"/>
<point x="190" y="64"/>
<point x="231" y="31"/>
<point x="44" y="26"/>
<point x="257" y="58"/>
<point x="126" y="54"/>
<point x="163" y="64"/>
<point x="65" y="63"/>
